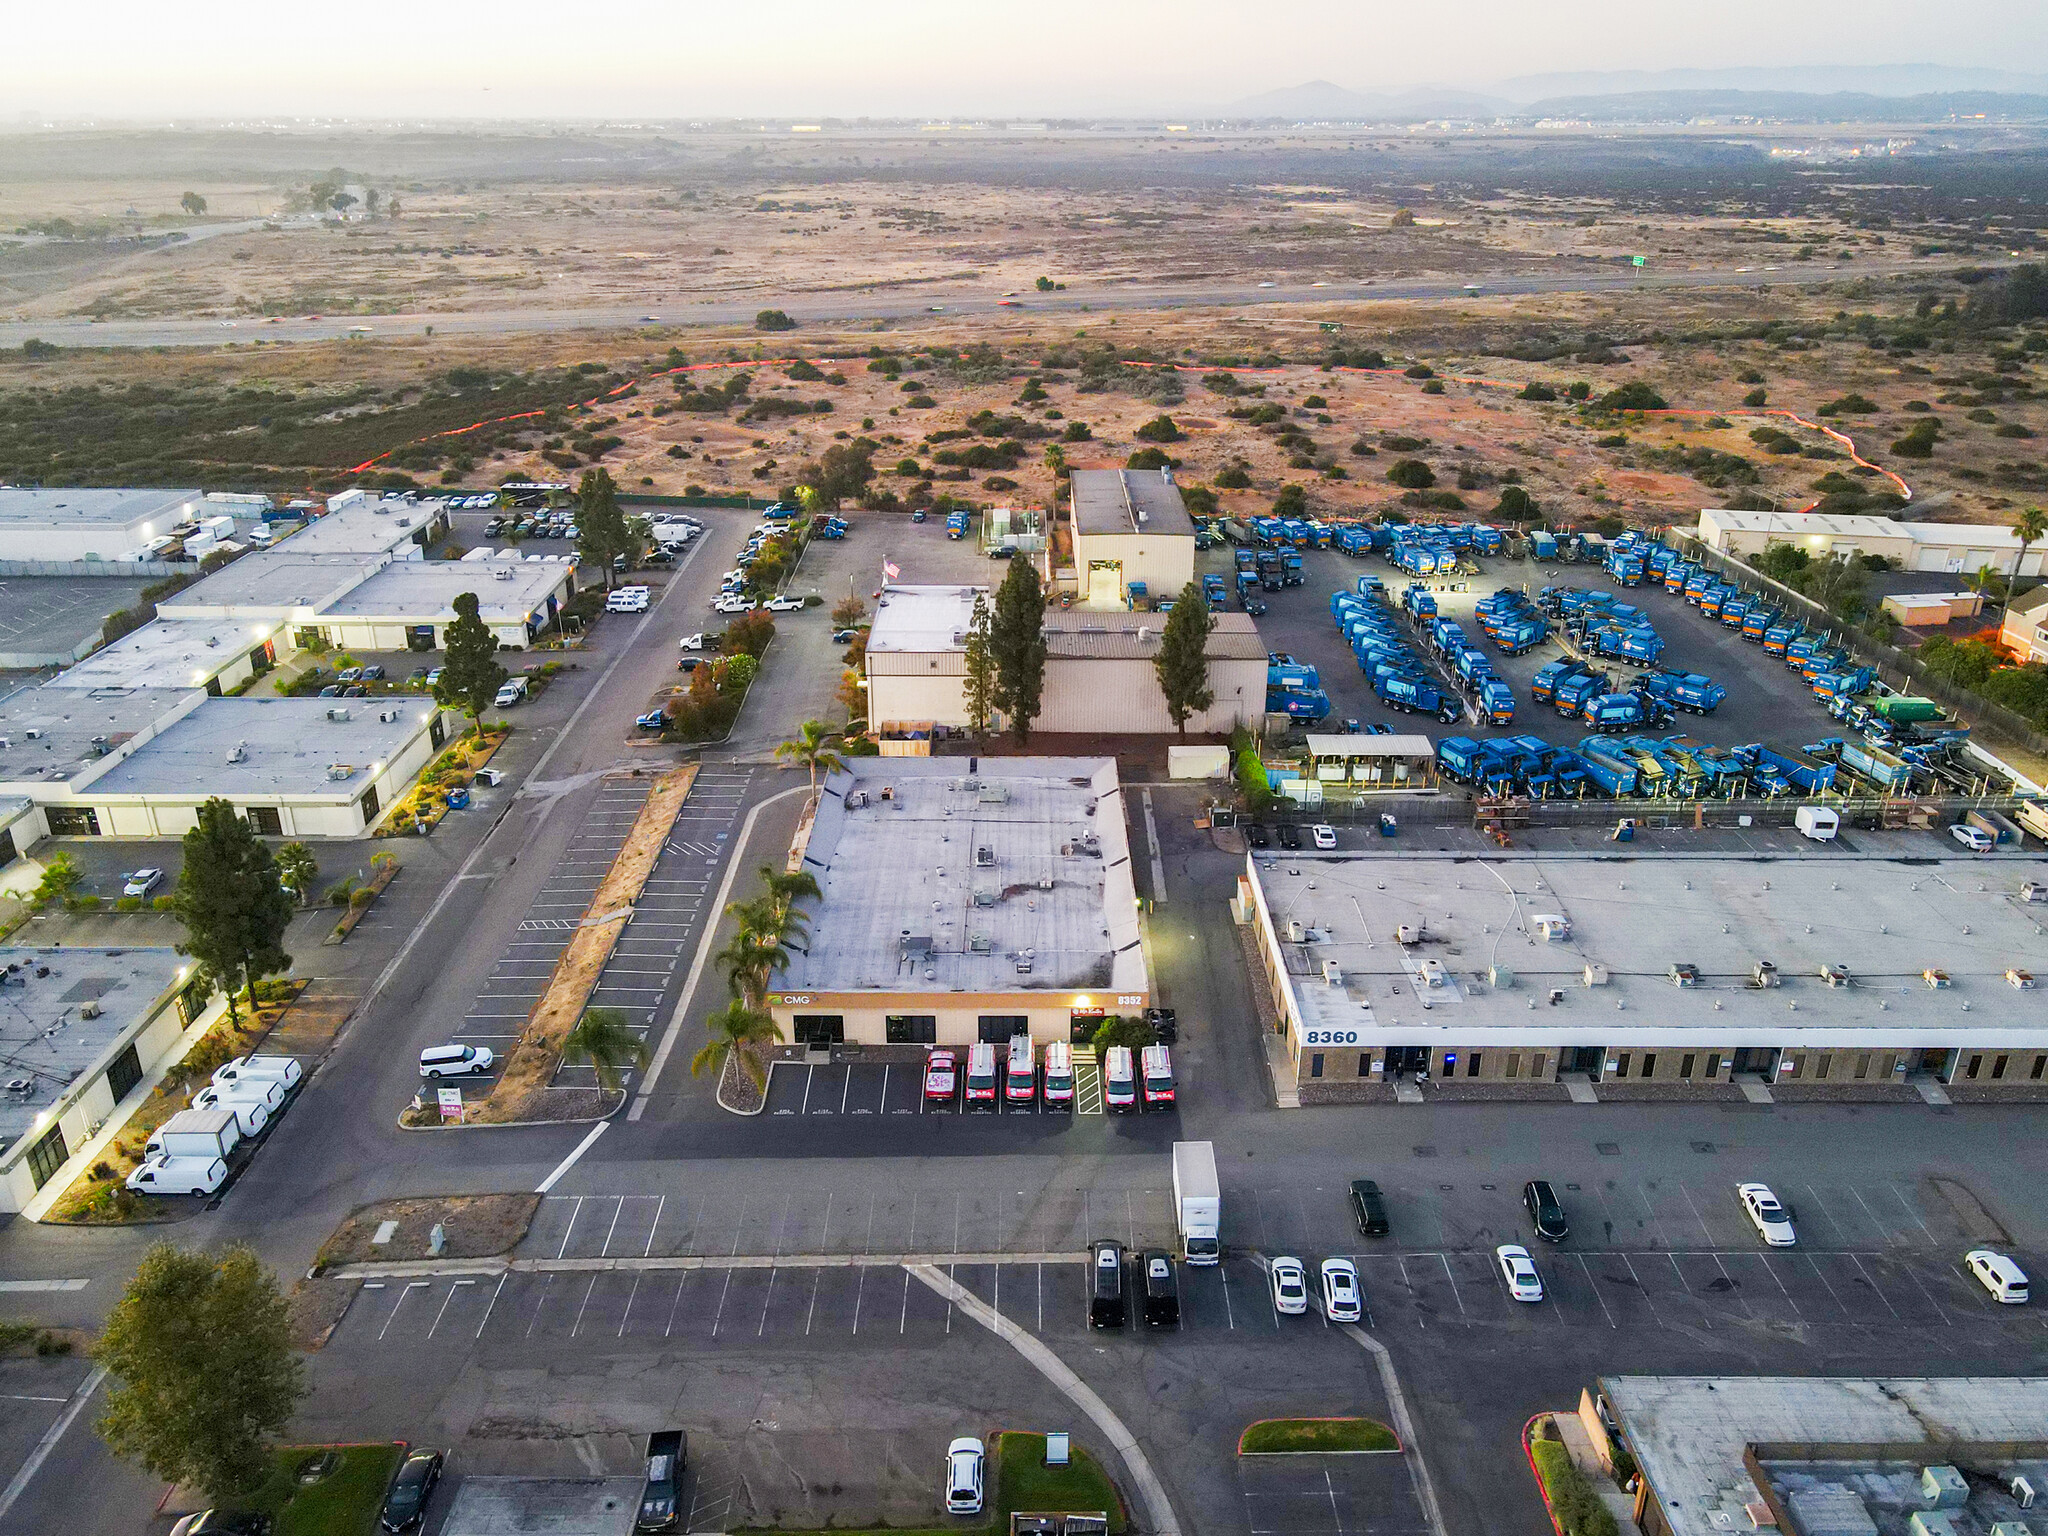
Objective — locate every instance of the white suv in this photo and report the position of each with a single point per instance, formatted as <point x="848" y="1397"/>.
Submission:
<point x="963" y="1477"/>
<point x="456" y="1060"/>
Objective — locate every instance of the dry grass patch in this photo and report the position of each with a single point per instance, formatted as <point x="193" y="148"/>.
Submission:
<point x="475" y="1227"/>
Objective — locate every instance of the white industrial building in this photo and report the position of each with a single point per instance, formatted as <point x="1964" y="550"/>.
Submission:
<point x="1952" y="549"/>
<point x="1099" y="676"/>
<point x="71" y="523"/>
<point x="1130" y="525"/>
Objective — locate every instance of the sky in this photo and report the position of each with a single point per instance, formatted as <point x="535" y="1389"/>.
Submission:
<point x="976" y="58"/>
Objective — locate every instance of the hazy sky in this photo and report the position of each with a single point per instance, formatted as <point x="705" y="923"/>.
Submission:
<point x="795" y="58"/>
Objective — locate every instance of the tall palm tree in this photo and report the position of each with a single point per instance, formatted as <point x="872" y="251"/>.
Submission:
<point x="812" y="748"/>
<point x="2032" y="527"/>
<point x="602" y="1038"/>
<point x="756" y="951"/>
<point x="734" y="1028"/>
<point x="785" y="889"/>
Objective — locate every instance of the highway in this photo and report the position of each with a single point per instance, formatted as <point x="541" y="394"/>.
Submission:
<point x="847" y="307"/>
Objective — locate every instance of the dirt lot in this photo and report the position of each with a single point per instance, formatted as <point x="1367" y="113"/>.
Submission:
<point x="476" y="1227"/>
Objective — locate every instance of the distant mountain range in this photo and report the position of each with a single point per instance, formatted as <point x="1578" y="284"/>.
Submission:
<point x="1878" y="93"/>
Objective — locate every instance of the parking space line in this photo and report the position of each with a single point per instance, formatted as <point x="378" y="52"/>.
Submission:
<point x="1900" y="1196"/>
<point x="1946" y="1321"/>
<point x="1883" y="1231"/>
<point x="1460" y="1295"/>
<point x="1705" y="1231"/>
<point x="1814" y="1264"/>
<point x="767" y="1300"/>
<point x="576" y="1326"/>
<point x="903" y="1321"/>
<point x="1643" y="1290"/>
<point x="1841" y="1232"/>
<point x="411" y="1286"/>
<point x="1734" y="1289"/>
<point x="661" y="1203"/>
<point x="1594" y="1287"/>
<point x="1781" y="1283"/>
<point x="546" y="1291"/>
<point x="631" y="1297"/>
<point x="617" y="1211"/>
<point x="571" y="1227"/>
<point x="719" y="1315"/>
<point x="452" y="1289"/>
<point x="493" y="1305"/>
<point x="1857" y="1260"/>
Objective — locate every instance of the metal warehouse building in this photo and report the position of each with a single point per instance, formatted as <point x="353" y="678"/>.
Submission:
<point x="966" y="906"/>
<point x="1596" y="974"/>
<point x="1950" y="548"/>
<point x="72" y="523"/>
<point x="1130" y="525"/>
<point x="1099" y="675"/>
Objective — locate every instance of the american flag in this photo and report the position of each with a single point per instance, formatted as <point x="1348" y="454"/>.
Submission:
<point x="891" y="570"/>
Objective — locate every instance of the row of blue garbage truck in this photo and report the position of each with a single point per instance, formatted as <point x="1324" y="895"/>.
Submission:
<point x="1398" y="676"/>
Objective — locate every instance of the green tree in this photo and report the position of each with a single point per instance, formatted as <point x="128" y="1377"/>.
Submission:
<point x="601" y="531"/>
<point x="848" y="612"/>
<point x="1292" y="501"/>
<point x="2031" y="527"/>
<point x="193" y="204"/>
<point x="297" y="869"/>
<point x="61" y="878"/>
<point x="811" y="748"/>
<point x="841" y="473"/>
<point x="1115" y="1030"/>
<point x="1182" y="664"/>
<point x="773" y="320"/>
<point x="1411" y="474"/>
<point x="1516" y="506"/>
<point x="234" y="907"/>
<point x="603" y="1038"/>
<point x="1757" y="397"/>
<point x="734" y="1029"/>
<point x="471" y="675"/>
<point x="1017" y="643"/>
<point x="981" y="667"/>
<point x="200" y="1345"/>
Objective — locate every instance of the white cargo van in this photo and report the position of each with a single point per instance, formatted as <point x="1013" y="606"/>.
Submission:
<point x="1119" y="1079"/>
<point x="204" y="1133"/>
<point x="251" y="1112"/>
<point x="1059" y="1075"/>
<point x="282" y="1070"/>
<point x="178" y="1176"/>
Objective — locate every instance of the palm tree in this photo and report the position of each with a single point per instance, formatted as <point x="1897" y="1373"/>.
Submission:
<point x="786" y="888"/>
<point x="297" y="869"/>
<point x="756" y="951"/>
<point x="601" y="1037"/>
<point x="733" y="1029"/>
<point x="812" y="748"/>
<point x="2032" y="527"/>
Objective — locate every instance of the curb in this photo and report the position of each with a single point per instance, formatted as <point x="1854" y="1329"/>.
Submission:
<point x="758" y="1109"/>
<point x="1396" y="1449"/>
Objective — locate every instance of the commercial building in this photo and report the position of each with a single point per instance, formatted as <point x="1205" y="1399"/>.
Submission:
<point x="74" y="523"/>
<point x="1950" y="548"/>
<point x="1829" y="1456"/>
<point x="963" y="906"/>
<point x="1541" y="974"/>
<point x="360" y="524"/>
<point x="2025" y="630"/>
<point x="1099" y="675"/>
<point x="1130" y="525"/>
<point x="81" y="1031"/>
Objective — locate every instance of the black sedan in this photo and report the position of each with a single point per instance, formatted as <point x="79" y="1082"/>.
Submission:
<point x="1290" y="836"/>
<point x="405" y="1505"/>
<point x="1257" y="836"/>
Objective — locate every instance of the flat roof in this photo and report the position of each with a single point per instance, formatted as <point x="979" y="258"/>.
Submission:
<point x="1796" y="525"/>
<point x="362" y="527"/>
<point x="1347" y="744"/>
<point x="1056" y="885"/>
<point x="417" y="591"/>
<point x="1688" y="1433"/>
<point x="55" y="734"/>
<point x="24" y="507"/>
<point x="1091" y="635"/>
<point x="1632" y="918"/>
<point x="166" y="653"/>
<point x="280" y="585"/>
<point x="243" y="748"/>
<point x="1109" y="501"/>
<point x="543" y="1506"/>
<point x="45" y="1043"/>
<point x="921" y="618"/>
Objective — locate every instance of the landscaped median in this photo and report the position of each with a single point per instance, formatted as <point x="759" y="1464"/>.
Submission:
<point x="1317" y="1437"/>
<point x="1574" y="1502"/>
<point x="320" y="1490"/>
<point x="523" y="1094"/>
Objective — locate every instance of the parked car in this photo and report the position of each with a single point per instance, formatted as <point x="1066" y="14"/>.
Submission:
<point x="658" y="1495"/>
<point x="653" y="720"/>
<point x="1772" y="1222"/>
<point x="331" y="691"/>
<point x="1546" y="1211"/>
<point x="217" y="1522"/>
<point x="784" y="604"/>
<point x="1106" y="1295"/>
<point x="734" y="605"/>
<point x="845" y="636"/>
<point x="1325" y="836"/>
<point x="456" y="1060"/>
<point x="1369" y="1208"/>
<point x="373" y="673"/>
<point x="417" y="677"/>
<point x="1256" y="834"/>
<point x="1290" y="1285"/>
<point x="355" y="691"/>
<point x="2005" y="1280"/>
<point x="1976" y="839"/>
<point x="405" y="1503"/>
<point x="941" y="1077"/>
<point x="434" y="677"/>
<point x="348" y="674"/>
<point x="514" y="692"/>
<point x="1162" y="1289"/>
<point x="1518" y="1272"/>
<point x="142" y="882"/>
<point x="1290" y="836"/>
<point x="963" y="1477"/>
<point x="693" y="642"/>
<point x="1342" y="1302"/>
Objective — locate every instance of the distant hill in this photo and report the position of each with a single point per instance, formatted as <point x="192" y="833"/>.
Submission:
<point x="1789" y="106"/>
<point x="1319" y="99"/>
<point x="1872" y="79"/>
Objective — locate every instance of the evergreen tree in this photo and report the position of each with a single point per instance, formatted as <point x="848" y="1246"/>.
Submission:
<point x="1017" y="643"/>
<point x="601" y="531"/>
<point x="981" y="668"/>
<point x="471" y="676"/>
<point x="1182" y="666"/>
<point x="201" y="1348"/>
<point x="234" y="907"/>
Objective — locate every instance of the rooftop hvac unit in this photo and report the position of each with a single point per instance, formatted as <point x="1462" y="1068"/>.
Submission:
<point x="35" y="733"/>
<point x="1501" y="977"/>
<point x="978" y="944"/>
<point x="1553" y="927"/>
<point x="1024" y="962"/>
<point x="984" y="856"/>
<point x="2019" y="978"/>
<point x="1296" y="933"/>
<point x="339" y="771"/>
<point x="2022" y="1492"/>
<point x="386" y="716"/>
<point x="1935" y="977"/>
<point x="1942" y="1487"/>
<point x="1683" y="975"/>
<point x="1433" y="973"/>
<point x="1835" y="975"/>
<point x="239" y="752"/>
<point x="1556" y="996"/>
<point x="503" y="573"/>
<point x="337" y="714"/>
<point x="1595" y="975"/>
<point x="1333" y="973"/>
<point x="1763" y="974"/>
<point x="984" y="898"/>
<point x="1408" y="933"/>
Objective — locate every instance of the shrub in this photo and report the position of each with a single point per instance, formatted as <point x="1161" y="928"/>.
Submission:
<point x="1411" y="474"/>
<point x="1757" y="397"/>
<point x="1633" y="396"/>
<point x="773" y="320"/>
<point x="1534" y="391"/>
<point x="1395" y="443"/>
<point x="1847" y="405"/>
<point x="1291" y="502"/>
<point x="1572" y="1499"/>
<point x="164" y="904"/>
<point x="1918" y="443"/>
<point x="1160" y="429"/>
<point x="1147" y="458"/>
<point x="1418" y="371"/>
<point x="128" y="904"/>
<point x="361" y="897"/>
<point x="1077" y="432"/>
<point x="1433" y="387"/>
<point x="1364" y="450"/>
<point x="1233" y="478"/>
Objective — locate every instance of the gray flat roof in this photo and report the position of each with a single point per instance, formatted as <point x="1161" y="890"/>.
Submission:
<point x="62" y="506"/>
<point x="543" y="1506"/>
<point x="44" y="1043"/>
<point x="1091" y="635"/>
<point x="417" y="591"/>
<point x="286" y="747"/>
<point x="279" y="585"/>
<point x="1688" y="1432"/>
<point x="363" y="527"/>
<point x="907" y="864"/>
<point x="1887" y="920"/>
<point x="1110" y="501"/>
<point x="75" y="730"/>
<point x="921" y="619"/>
<point x="168" y="653"/>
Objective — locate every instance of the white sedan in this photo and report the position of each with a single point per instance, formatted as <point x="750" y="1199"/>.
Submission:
<point x="1341" y="1300"/>
<point x="142" y="882"/>
<point x="1325" y="835"/>
<point x="1770" y="1219"/>
<point x="784" y="604"/>
<point x="1290" y="1286"/>
<point x="1518" y="1272"/>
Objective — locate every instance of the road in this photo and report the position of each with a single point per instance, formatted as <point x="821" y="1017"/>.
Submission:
<point x="674" y="310"/>
<point x="747" y="1278"/>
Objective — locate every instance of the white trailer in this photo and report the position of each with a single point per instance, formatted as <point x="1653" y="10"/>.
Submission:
<point x="1197" y="1201"/>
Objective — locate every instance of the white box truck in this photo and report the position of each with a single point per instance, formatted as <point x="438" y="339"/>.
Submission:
<point x="1197" y="1201"/>
<point x="195" y="1133"/>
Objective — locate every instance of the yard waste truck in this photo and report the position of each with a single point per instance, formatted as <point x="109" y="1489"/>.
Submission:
<point x="1197" y="1201"/>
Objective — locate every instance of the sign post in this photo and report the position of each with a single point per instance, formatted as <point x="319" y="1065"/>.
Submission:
<point x="451" y="1105"/>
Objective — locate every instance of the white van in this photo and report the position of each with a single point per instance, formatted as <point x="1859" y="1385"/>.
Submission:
<point x="1020" y="1072"/>
<point x="282" y="1070"/>
<point x="251" y="1112"/>
<point x="1119" y="1079"/>
<point x="178" y="1176"/>
<point x="2005" y="1280"/>
<point x="1158" y="1064"/>
<point x="455" y="1060"/>
<point x="1059" y="1075"/>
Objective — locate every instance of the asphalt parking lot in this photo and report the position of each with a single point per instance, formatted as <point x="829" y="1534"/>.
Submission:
<point x="44" y="617"/>
<point x="1328" y="1495"/>
<point x="897" y="1088"/>
<point x="1765" y="701"/>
